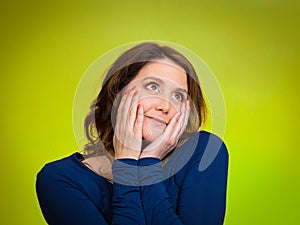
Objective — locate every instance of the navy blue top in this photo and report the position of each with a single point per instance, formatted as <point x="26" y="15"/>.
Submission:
<point x="190" y="189"/>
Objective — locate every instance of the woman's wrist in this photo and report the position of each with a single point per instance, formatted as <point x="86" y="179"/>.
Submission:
<point x="125" y="172"/>
<point x="126" y="157"/>
<point x="150" y="155"/>
<point x="127" y="154"/>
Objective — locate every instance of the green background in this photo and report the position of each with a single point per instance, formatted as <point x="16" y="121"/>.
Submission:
<point x="251" y="46"/>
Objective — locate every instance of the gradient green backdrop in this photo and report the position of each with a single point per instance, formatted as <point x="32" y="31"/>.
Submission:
<point x="252" y="47"/>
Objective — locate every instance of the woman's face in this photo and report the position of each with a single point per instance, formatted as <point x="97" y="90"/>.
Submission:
<point x="162" y="87"/>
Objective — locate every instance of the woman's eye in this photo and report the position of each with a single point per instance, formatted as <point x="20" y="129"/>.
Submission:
<point x="179" y="97"/>
<point x="152" y="87"/>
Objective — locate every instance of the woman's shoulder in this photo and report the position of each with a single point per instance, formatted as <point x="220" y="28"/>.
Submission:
<point x="210" y="148"/>
<point x="60" y="165"/>
<point x="68" y="169"/>
<point x="68" y="181"/>
<point x="205" y="141"/>
<point x="201" y="143"/>
<point x="205" y="136"/>
<point x="200" y="150"/>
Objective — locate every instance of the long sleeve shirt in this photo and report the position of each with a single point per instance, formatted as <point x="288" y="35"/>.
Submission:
<point x="190" y="189"/>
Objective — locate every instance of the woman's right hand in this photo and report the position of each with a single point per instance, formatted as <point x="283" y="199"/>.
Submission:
<point x="127" y="138"/>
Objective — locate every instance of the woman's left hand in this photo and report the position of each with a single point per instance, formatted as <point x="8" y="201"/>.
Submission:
<point x="169" y="139"/>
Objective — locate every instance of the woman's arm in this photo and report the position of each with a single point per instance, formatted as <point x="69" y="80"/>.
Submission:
<point x="62" y="202"/>
<point x="202" y="195"/>
<point x="127" y="141"/>
<point x="127" y="203"/>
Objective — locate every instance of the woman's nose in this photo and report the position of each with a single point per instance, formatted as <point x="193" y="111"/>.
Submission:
<point x="163" y="105"/>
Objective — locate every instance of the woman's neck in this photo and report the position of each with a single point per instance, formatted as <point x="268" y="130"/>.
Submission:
<point x="101" y="165"/>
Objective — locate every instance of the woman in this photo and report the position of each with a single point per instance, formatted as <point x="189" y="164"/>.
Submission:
<point x="141" y="165"/>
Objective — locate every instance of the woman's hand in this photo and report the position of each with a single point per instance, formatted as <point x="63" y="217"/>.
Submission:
<point x="169" y="139"/>
<point x="127" y="138"/>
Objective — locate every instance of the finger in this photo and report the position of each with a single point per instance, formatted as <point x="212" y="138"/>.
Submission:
<point x="172" y="131"/>
<point x="121" y="106"/>
<point x="185" y="119"/>
<point x="175" y="134"/>
<point x="121" y="122"/>
<point x="121" y="114"/>
<point x="172" y="124"/>
<point x="138" y="125"/>
<point x="181" y="124"/>
<point x="133" y="110"/>
<point x="124" y="99"/>
<point x="126" y="107"/>
<point x="183" y="113"/>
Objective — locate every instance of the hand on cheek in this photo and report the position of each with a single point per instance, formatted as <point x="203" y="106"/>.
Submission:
<point x="127" y="138"/>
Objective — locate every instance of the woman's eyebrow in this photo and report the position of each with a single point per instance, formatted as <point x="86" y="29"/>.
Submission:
<point x="162" y="82"/>
<point x="154" y="78"/>
<point x="181" y="90"/>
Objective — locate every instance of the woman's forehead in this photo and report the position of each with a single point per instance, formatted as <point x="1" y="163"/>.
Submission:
<point x="164" y="70"/>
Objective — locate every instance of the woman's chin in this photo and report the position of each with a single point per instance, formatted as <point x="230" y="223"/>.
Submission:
<point x="151" y="132"/>
<point x="148" y="138"/>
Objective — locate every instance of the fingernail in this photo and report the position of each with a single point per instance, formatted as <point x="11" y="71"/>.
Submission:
<point x="135" y="92"/>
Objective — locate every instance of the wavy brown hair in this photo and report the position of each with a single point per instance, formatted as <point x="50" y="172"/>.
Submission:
<point x="98" y="123"/>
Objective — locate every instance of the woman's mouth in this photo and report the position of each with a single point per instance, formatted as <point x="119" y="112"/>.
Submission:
<point x="157" y="120"/>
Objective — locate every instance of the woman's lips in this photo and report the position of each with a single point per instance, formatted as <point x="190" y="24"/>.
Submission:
<point x="158" y="120"/>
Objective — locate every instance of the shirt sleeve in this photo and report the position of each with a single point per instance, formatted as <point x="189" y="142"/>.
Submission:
<point x="127" y="203"/>
<point x="62" y="202"/>
<point x="202" y="195"/>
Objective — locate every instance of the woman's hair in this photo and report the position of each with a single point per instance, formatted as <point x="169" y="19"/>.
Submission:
<point x="98" y="123"/>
